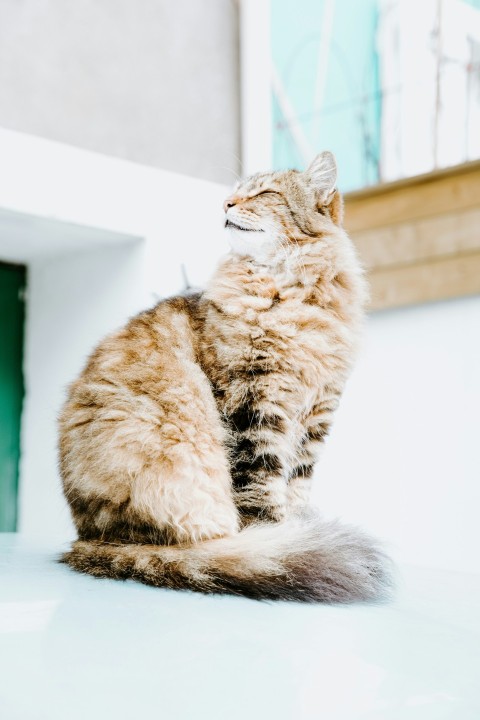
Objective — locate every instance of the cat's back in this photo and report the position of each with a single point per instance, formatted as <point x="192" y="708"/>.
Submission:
<point x="147" y="342"/>
<point x="133" y="365"/>
<point x="141" y="399"/>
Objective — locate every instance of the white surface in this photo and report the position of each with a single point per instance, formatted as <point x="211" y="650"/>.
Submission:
<point x="178" y="216"/>
<point x="75" y="647"/>
<point x="102" y="239"/>
<point x="25" y="238"/>
<point x="403" y="458"/>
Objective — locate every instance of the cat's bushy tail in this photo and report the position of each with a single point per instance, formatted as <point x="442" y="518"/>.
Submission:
<point x="304" y="559"/>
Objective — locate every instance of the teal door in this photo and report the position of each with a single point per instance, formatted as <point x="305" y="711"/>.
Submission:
<point x="12" y="315"/>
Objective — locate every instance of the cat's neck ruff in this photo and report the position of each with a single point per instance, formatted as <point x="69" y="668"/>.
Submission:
<point x="287" y="263"/>
<point x="290" y="273"/>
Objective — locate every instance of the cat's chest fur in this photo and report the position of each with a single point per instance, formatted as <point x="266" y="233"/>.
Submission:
<point x="274" y="339"/>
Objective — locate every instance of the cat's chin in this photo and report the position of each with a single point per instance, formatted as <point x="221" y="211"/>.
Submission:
<point x="257" y="245"/>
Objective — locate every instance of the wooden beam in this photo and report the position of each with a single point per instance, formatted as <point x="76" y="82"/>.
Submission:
<point x="419" y="238"/>
<point x="410" y="242"/>
<point x="433" y="280"/>
<point x="420" y="197"/>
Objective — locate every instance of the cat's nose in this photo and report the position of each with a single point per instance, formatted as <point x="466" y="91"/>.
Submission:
<point x="229" y="202"/>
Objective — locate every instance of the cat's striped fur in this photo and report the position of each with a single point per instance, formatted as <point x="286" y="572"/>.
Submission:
<point x="187" y="444"/>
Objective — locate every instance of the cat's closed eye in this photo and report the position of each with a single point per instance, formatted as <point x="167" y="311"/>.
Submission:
<point x="268" y="192"/>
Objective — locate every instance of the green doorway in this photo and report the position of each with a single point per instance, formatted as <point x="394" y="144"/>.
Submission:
<point x="12" y="317"/>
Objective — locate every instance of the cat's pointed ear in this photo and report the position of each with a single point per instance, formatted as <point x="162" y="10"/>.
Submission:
<point x="322" y="175"/>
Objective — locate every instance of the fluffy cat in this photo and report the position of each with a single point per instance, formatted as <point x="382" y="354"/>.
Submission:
<point x="188" y="442"/>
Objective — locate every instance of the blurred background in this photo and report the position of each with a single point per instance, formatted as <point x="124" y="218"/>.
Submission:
<point x="391" y="86"/>
<point x="122" y="126"/>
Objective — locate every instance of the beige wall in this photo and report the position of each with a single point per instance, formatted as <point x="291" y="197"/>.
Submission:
<point x="153" y="81"/>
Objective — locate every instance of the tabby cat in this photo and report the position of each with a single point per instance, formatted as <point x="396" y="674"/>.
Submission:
<point x="187" y="444"/>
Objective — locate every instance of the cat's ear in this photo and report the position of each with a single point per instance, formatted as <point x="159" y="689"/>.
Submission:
<point x="322" y="175"/>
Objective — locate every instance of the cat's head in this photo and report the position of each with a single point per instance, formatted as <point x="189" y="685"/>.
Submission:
<point x="268" y="211"/>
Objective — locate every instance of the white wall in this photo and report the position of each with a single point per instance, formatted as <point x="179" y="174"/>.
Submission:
<point x="431" y="107"/>
<point x="73" y="301"/>
<point x="152" y="81"/>
<point x="102" y="238"/>
<point x="181" y="218"/>
<point x="403" y="459"/>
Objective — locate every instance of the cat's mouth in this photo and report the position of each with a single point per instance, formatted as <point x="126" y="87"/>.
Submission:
<point x="236" y="226"/>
